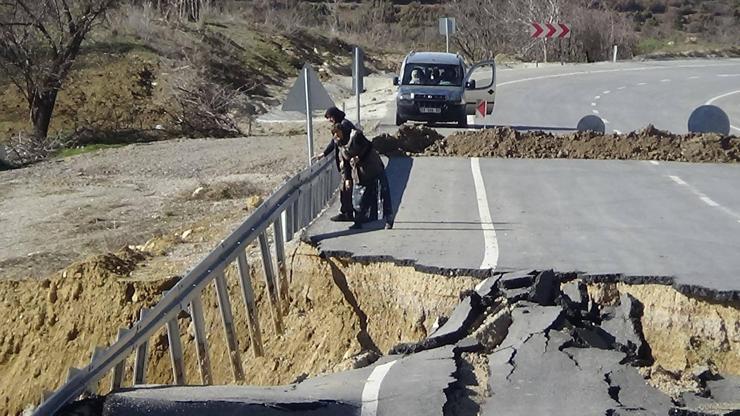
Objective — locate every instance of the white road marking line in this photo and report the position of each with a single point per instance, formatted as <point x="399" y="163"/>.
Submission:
<point x="605" y="121"/>
<point x="735" y="127"/>
<point x="642" y="83"/>
<point x="593" y="104"/>
<point x="694" y="77"/>
<point x="728" y="75"/>
<point x="655" y="162"/>
<point x="704" y="198"/>
<point x="595" y="111"/>
<point x="621" y="88"/>
<point x="606" y="92"/>
<point x="598" y="97"/>
<point x="371" y="391"/>
<point x="719" y="97"/>
<point x="665" y="80"/>
<point x="490" y="256"/>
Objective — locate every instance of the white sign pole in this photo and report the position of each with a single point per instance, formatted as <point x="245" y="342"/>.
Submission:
<point x="357" y="84"/>
<point x="447" y="33"/>
<point x="615" y="54"/>
<point x="309" y="118"/>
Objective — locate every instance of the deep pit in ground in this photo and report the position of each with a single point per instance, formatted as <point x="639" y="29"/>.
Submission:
<point x="342" y="314"/>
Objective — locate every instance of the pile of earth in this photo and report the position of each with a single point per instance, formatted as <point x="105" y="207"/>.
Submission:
<point x="647" y="144"/>
<point x="408" y="140"/>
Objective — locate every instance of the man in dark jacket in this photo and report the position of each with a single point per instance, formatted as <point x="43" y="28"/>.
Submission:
<point x="361" y="165"/>
<point x="337" y="117"/>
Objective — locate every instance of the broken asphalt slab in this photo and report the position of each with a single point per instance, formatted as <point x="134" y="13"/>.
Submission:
<point x="412" y="385"/>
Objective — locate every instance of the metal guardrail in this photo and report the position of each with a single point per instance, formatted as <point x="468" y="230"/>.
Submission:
<point x="290" y="208"/>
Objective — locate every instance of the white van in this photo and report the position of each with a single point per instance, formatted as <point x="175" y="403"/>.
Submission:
<point x="439" y="87"/>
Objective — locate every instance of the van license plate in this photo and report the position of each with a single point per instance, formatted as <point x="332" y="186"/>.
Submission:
<point x="432" y="110"/>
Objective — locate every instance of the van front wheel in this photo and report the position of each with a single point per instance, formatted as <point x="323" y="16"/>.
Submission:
<point x="399" y="120"/>
<point x="463" y="122"/>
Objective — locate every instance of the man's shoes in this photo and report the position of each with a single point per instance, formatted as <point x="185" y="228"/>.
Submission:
<point x="342" y="218"/>
<point x="389" y="225"/>
<point x="356" y="226"/>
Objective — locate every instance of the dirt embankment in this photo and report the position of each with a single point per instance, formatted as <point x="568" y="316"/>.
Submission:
<point x="341" y="315"/>
<point x="647" y="144"/>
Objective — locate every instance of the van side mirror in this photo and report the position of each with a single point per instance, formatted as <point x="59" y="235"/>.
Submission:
<point x="470" y="84"/>
<point x="395" y="81"/>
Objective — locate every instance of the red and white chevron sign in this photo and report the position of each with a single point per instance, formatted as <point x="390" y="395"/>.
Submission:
<point x="550" y="30"/>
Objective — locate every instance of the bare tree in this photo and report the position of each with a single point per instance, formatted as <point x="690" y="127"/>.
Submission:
<point x="39" y="42"/>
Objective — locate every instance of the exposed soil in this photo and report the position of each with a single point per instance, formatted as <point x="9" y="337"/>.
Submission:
<point x="408" y="140"/>
<point x="647" y="144"/>
<point x="338" y="313"/>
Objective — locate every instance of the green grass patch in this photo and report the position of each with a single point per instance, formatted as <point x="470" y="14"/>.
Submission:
<point x="74" y="151"/>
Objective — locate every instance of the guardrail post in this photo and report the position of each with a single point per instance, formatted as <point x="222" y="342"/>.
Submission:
<point x="224" y="305"/>
<point x="92" y="388"/>
<point x="173" y="336"/>
<point x="280" y="257"/>
<point x="277" y="316"/>
<point x="117" y="376"/>
<point x="289" y="222"/>
<point x="201" y="343"/>
<point x="245" y="282"/>
<point x="141" y="355"/>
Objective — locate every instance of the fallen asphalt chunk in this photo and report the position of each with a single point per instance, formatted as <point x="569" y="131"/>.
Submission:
<point x="545" y="289"/>
<point x="529" y="319"/>
<point x="517" y="280"/>
<point x="623" y="323"/>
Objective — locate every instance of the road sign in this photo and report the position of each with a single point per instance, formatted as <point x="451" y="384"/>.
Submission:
<point x="550" y="30"/>
<point x="296" y="99"/>
<point x="307" y="95"/>
<point x="447" y="28"/>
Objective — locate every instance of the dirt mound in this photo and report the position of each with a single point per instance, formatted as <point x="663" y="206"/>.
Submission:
<point x="408" y="140"/>
<point x="647" y="144"/>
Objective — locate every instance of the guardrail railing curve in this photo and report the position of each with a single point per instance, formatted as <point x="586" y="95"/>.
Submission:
<point x="290" y="208"/>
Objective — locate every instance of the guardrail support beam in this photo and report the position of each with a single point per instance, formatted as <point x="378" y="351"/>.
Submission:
<point x="245" y="282"/>
<point x="224" y="306"/>
<point x="201" y="343"/>
<point x="269" y="272"/>
<point x="280" y="257"/>
<point x="141" y="355"/>
<point x="117" y="376"/>
<point x="178" y="366"/>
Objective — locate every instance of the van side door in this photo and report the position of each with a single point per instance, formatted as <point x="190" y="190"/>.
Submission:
<point x="480" y="85"/>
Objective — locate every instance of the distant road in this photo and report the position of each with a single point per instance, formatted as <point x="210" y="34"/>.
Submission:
<point x="627" y="95"/>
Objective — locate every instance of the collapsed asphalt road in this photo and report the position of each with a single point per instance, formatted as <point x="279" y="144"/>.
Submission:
<point x="543" y="344"/>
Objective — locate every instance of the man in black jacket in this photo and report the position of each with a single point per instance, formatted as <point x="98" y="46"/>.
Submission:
<point x="337" y="116"/>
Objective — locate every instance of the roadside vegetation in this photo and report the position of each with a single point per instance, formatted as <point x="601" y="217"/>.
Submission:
<point x="135" y="70"/>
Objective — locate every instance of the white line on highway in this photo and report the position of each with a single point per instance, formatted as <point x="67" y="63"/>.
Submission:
<point x="595" y="111"/>
<point x="704" y="198"/>
<point x="665" y="80"/>
<point x="719" y="97"/>
<point x="735" y="127"/>
<point x="728" y="75"/>
<point x="593" y="104"/>
<point x="621" y="88"/>
<point x="642" y="83"/>
<point x="655" y="162"/>
<point x="605" y="121"/>
<point x="371" y="391"/>
<point x="606" y="92"/>
<point x="490" y="255"/>
<point x="694" y="77"/>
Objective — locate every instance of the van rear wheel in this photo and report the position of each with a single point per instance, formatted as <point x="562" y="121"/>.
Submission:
<point x="399" y="120"/>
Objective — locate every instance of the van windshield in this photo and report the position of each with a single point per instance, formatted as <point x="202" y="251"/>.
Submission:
<point x="432" y="74"/>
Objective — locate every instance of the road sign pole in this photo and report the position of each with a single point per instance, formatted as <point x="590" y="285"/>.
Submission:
<point x="357" y="84"/>
<point x="309" y="118"/>
<point x="447" y="34"/>
<point x="615" y="54"/>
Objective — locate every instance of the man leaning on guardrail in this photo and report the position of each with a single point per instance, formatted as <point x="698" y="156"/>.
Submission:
<point x="336" y="116"/>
